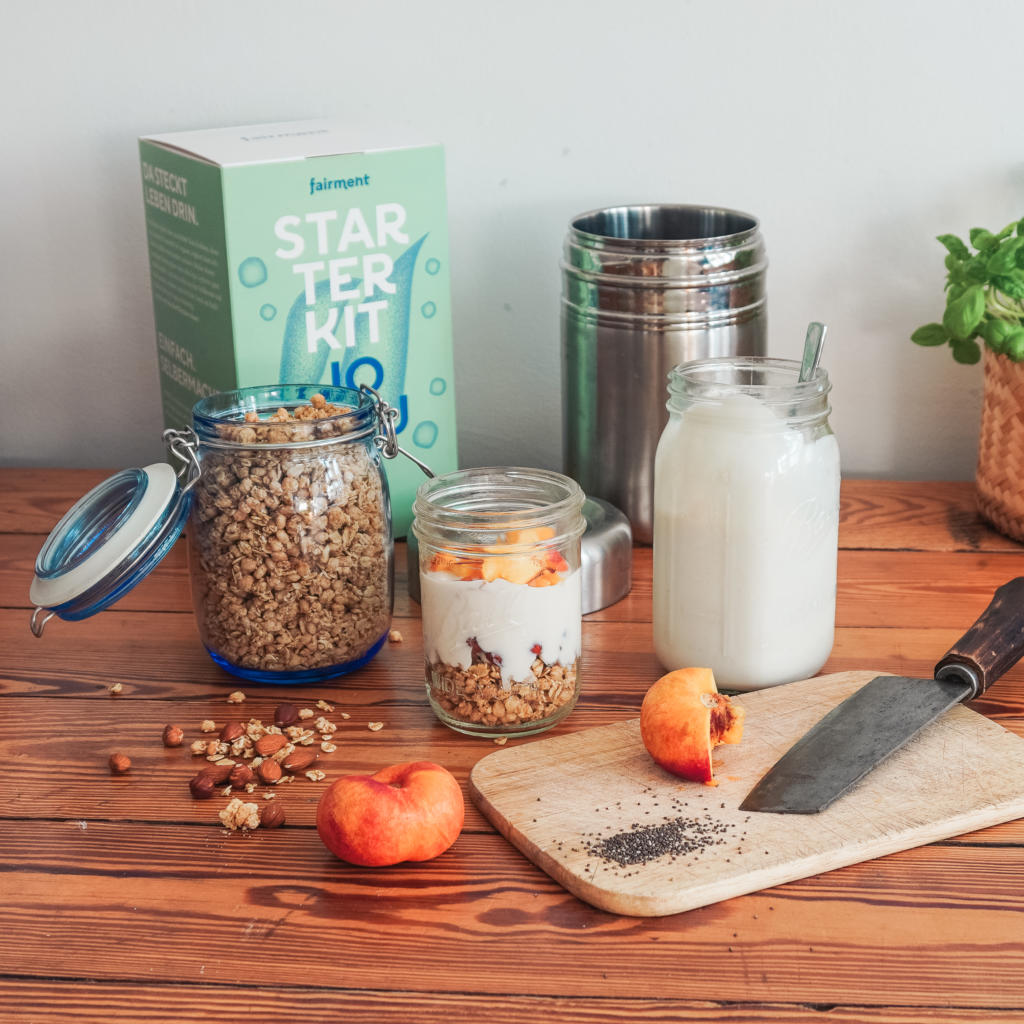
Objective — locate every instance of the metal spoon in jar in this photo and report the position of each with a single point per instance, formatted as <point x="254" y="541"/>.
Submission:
<point x="812" y="349"/>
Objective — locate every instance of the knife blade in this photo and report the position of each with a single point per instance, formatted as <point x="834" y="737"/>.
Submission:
<point x="884" y="714"/>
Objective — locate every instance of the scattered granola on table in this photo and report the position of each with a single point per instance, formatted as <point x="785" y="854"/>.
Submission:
<point x="246" y="757"/>
<point x="239" y="814"/>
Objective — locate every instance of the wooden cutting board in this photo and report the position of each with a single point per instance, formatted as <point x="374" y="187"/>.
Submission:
<point x="593" y="810"/>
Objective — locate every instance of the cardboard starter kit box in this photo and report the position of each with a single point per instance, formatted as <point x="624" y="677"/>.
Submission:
<point x="280" y="255"/>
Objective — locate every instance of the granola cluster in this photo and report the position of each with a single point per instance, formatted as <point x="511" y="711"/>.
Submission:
<point x="239" y="814"/>
<point x="476" y="696"/>
<point x="290" y="546"/>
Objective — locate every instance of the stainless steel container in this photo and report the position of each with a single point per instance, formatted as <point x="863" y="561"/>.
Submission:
<point x="645" y="288"/>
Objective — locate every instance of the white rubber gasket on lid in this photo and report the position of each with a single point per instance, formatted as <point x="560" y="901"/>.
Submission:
<point x="161" y="484"/>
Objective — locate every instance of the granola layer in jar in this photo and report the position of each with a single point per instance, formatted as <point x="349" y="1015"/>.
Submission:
<point x="500" y="591"/>
<point x="291" y="555"/>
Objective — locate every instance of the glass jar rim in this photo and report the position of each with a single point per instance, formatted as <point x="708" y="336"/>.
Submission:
<point x="356" y="420"/>
<point x="494" y="499"/>
<point x="717" y="377"/>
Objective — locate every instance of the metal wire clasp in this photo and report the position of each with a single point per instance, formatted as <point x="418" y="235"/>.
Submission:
<point x="387" y="440"/>
<point x="37" y="624"/>
<point x="183" y="445"/>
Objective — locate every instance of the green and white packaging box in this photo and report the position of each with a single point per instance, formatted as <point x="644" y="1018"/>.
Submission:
<point x="279" y="254"/>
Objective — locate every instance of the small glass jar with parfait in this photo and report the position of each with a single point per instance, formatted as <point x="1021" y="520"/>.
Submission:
<point x="500" y="586"/>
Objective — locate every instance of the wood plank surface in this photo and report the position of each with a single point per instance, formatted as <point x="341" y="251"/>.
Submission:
<point x="124" y="899"/>
<point x="899" y="515"/>
<point x="892" y="932"/>
<point x="142" y="1003"/>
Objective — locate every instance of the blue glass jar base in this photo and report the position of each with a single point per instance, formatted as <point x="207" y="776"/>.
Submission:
<point x="296" y="677"/>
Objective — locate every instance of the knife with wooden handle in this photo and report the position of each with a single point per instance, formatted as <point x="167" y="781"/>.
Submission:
<point x="857" y="735"/>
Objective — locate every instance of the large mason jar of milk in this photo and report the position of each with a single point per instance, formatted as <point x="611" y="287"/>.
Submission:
<point x="746" y="516"/>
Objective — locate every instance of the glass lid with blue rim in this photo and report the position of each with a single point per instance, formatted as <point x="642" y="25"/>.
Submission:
<point x="112" y="538"/>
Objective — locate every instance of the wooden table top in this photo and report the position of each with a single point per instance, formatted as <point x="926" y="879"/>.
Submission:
<point x="124" y="899"/>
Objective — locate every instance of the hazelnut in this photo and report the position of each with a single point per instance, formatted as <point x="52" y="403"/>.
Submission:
<point x="240" y="777"/>
<point x="269" y="771"/>
<point x="173" y="736"/>
<point x="286" y="714"/>
<point x="202" y="786"/>
<point x="271" y="815"/>
<point x="120" y="763"/>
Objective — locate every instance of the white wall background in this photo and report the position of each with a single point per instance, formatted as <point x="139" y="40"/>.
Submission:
<point x="855" y="131"/>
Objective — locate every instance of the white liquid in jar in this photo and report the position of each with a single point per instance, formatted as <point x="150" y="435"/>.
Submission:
<point x="746" y="519"/>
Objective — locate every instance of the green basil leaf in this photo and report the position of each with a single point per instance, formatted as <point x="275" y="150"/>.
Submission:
<point x="966" y="351"/>
<point x="1014" y="346"/>
<point x="957" y="273"/>
<point x="976" y="272"/>
<point x="1006" y="232"/>
<point x="1020" y="226"/>
<point x="996" y="333"/>
<point x="1011" y="286"/>
<point x="956" y="247"/>
<point x="1004" y="259"/>
<point x="982" y="239"/>
<point x="963" y="314"/>
<point x="930" y="334"/>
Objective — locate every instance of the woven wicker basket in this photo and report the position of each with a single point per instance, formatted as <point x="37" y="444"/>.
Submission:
<point x="1000" y="473"/>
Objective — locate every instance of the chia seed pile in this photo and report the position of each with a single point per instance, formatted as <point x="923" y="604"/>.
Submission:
<point x="682" y="835"/>
<point x="643" y="843"/>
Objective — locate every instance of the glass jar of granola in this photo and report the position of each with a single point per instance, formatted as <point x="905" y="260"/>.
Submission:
<point x="290" y="547"/>
<point x="289" y="527"/>
<point x="500" y="594"/>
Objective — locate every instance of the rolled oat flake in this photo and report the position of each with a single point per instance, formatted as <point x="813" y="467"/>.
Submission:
<point x="290" y="544"/>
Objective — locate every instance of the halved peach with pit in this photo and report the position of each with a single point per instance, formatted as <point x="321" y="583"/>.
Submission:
<point x="683" y="716"/>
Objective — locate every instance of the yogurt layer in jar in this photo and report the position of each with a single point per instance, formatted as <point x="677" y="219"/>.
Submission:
<point x="501" y="598"/>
